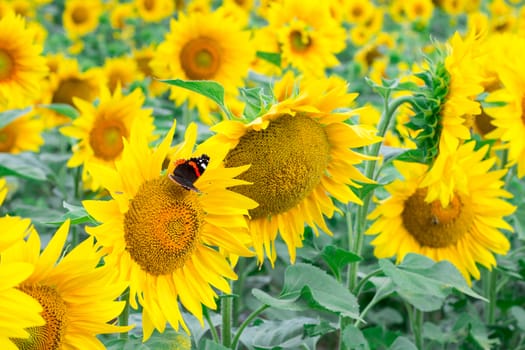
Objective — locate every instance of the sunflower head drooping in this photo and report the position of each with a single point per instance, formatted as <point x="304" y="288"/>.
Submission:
<point x="298" y="153"/>
<point x="283" y="163"/>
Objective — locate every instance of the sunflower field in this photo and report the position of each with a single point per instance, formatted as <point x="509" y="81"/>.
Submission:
<point x="262" y="174"/>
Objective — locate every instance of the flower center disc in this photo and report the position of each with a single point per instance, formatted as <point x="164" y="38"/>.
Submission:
<point x="50" y="335"/>
<point x="434" y="226"/>
<point x="69" y="88"/>
<point x="162" y="226"/>
<point x="79" y="15"/>
<point x="6" y="65"/>
<point x="106" y="138"/>
<point x="300" y="41"/>
<point x="287" y="159"/>
<point x="200" y="58"/>
<point x="7" y="139"/>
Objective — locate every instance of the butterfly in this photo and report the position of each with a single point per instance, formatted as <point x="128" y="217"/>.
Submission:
<point x="186" y="172"/>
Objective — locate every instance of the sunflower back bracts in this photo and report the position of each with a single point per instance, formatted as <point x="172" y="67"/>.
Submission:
<point x="429" y="100"/>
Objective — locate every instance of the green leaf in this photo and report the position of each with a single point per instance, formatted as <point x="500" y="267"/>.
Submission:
<point x="272" y="57"/>
<point x="211" y="345"/>
<point x="519" y="314"/>
<point x="402" y="343"/>
<point x="77" y="215"/>
<point x="256" y="102"/>
<point x="276" y="335"/>
<point x="424" y="283"/>
<point x="337" y="258"/>
<point x="321" y="328"/>
<point x="290" y="304"/>
<point x="7" y="117"/>
<point x="319" y="290"/>
<point x="63" y="109"/>
<point x="24" y="165"/>
<point x="353" y="339"/>
<point x="208" y="88"/>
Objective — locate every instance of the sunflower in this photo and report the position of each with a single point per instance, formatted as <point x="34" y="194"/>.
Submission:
<point x="464" y="232"/>
<point x="143" y="59"/>
<point x="121" y="71"/>
<point x="300" y="155"/>
<point x="81" y="17"/>
<point x="358" y="11"/>
<point x="154" y="10"/>
<point x="161" y="236"/>
<point x="509" y="119"/>
<point x="66" y="81"/>
<point x="76" y="294"/>
<point x="308" y="34"/>
<point x="18" y="310"/>
<point x="21" y="65"/>
<point x="22" y="134"/>
<point x="204" y="46"/>
<point x="444" y="120"/>
<point x="101" y="130"/>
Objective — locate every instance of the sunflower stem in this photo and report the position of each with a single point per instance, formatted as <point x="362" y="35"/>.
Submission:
<point x="123" y="318"/>
<point x="417" y="328"/>
<point x="356" y="244"/>
<point x="226" y="311"/>
<point x="245" y="324"/>
<point x="490" y="284"/>
<point x="213" y="330"/>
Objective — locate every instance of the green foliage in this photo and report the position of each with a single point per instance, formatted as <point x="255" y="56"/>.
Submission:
<point x="424" y="283"/>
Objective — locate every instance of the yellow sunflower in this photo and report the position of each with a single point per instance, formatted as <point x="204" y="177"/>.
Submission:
<point x="509" y="119"/>
<point x="154" y="10"/>
<point x="66" y="81"/>
<point x="358" y="11"/>
<point x="18" y="311"/>
<point x="101" y="129"/>
<point x="22" y="134"/>
<point x="462" y="65"/>
<point x="204" y="46"/>
<point x="449" y="110"/>
<point x="21" y="65"/>
<point x="308" y="34"/>
<point x="465" y="232"/>
<point x="161" y="236"/>
<point x="76" y="294"/>
<point x="121" y="71"/>
<point x="143" y="58"/>
<point x="81" y="17"/>
<point x="300" y="155"/>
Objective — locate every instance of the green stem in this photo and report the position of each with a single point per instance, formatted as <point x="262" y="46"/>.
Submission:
<point x="356" y="244"/>
<point x="365" y="279"/>
<point x="226" y="311"/>
<point x="490" y="283"/>
<point x="417" y="328"/>
<point x="245" y="324"/>
<point x="123" y="318"/>
<point x="213" y="330"/>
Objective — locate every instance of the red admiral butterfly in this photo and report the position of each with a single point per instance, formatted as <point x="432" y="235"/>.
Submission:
<point x="186" y="172"/>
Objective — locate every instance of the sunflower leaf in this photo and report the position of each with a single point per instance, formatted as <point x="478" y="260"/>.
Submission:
<point x="208" y="88"/>
<point x="63" y="109"/>
<point x="320" y="290"/>
<point x="337" y="258"/>
<point x="289" y="304"/>
<point x="77" y="215"/>
<point x="285" y="334"/>
<point x="424" y="283"/>
<point x="8" y="117"/>
<point x="353" y="338"/>
<point x="24" y="165"/>
<point x="272" y="57"/>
